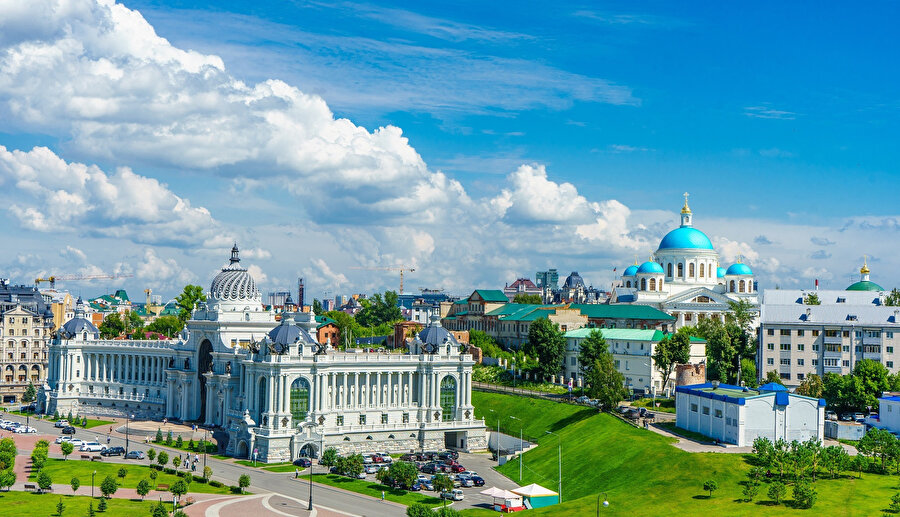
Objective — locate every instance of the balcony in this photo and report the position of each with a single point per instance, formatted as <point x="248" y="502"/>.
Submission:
<point x="832" y="340"/>
<point x="832" y="369"/>
<point x="835" y="354"/>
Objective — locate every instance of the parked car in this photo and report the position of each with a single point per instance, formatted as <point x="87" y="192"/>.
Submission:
<point x="410" y="456"/>
<point x="368" y="458"/>
<point x="113" y="451"/>
<point x="63" y="438"/>
<point x="455" y="495"/>
<point x="61" y="423"/>
<point x="77" y="442"/>
<point x="385" y="457"/>
<point x="859" y="417"/>
<point x="134" y="455"/>
<point x="830" y="415"/>
<point x="477" y="480"/>
<point x="303" y="462"/>
<point x="361" y="475"/>
<point x="370" y="469"/>
<point x="465" y="480"/>
<point x="25" y="429"/>
<point x="456" y="467"/>
<point x="452" y="455"/>
<point x="91" y="447"/>
<point x="68" y="430"/>
<point x="429" y="468"/>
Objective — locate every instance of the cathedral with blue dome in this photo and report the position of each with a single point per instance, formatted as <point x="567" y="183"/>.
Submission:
<point x="684" y="277"/>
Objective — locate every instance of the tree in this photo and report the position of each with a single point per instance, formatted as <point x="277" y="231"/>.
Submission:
<point x="419" y="510"/>
<point x="748" y="372"/>
<point x="122" y="472"/>
<point x="162" y="458"/>
<point x="143" y="488"/>
<point x="720" y="349"/>
<point x="187" y="301"/>
<point x="75" y="483"/>
<point x="589" y="351"/>
<point x="176" y="461"/>
<point x="772" y="376"/>
<point x="179" y="488"/>
<point x="159" y="510"/>
<point x="811" y="386"/>
<point x="207" y="473"/>
<point x="671" y="351"/>
<point x="109" y="486"/>
<point x="804" y="494"/>
<point x="112" y="326"/>
<point x="151" y="454"/>
<point x="91" y="512"/>
<point x="166" y="325"/>
<point x="379" y="309"/>
<point x="607" y="384"/>
<point x="329" y="457"/>
<point x="179" y="443"/>
<point x="67" y="449"/>
<point x="546" y="342"/>
<point x="710" y="486"/>
<point x="153" y="474"/>
<point x="60" y="507"/>
<point x="403" y="472"/>
<point x="777" y="490"/>
<point x="244" y="481"/>
<point x="533" y="299"/>
<point x="844" y="393"/>
<point x="878" y="443"/>
<point x="812" y="299"/>
<point x="895" y="503"/>
<point x="353" y="465"/>
<point x="835" y="460"/>
<point x="442" y="483"/>
<point x="874" y="378"/>
<point x="763" y="452"/>
<point x="30" y="393"/>
<point x="44" y="481"/>
<point x="7" y="478"/>
<point x="317" y="306"/>
<point x="893" y="298"/>
<point x="751" y="489"/>
<point x="101" y="506"/>
<point x="132" y="321"/>
<point x="38" y="458"/>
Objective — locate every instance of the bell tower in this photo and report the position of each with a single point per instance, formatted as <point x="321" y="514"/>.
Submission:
<point x="685" y="212"/>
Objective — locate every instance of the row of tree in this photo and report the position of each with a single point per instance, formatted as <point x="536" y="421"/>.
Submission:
<point x="132" y="325"/>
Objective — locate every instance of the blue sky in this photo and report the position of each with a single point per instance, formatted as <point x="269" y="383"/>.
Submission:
<point x="779" y="119"/>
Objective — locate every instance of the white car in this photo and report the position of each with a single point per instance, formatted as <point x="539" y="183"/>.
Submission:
<point x="385" y="457"/>
<point x="91" y="447"/>
<point x="370" y="469"/>
<point x="24" y="429"/>
<point x="367" y="458"/>
<point x="61" y="423"/>
<point x="77" y="442"/>
<point x="455" y="495"/>
<point x="63" y="438"/>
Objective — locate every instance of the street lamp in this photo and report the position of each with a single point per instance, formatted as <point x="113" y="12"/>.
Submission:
<point x="521" y="447"/>
<point x="605" y="502"/>
<point x="310" y="506"/>
<point x="127" y="421"/>
<point x="559" y="462"/>
<point x="94" y="473"/>
<point x="205" y="434"/>
<point x="498" y="438"/>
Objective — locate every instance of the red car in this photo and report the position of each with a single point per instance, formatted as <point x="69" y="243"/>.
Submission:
<point x="457" y="468"/>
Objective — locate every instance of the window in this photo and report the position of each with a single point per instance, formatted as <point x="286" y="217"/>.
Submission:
<point x="873" y="333"/>
<point x="785" y="347"/>
<point x="670" y="270"/>
<point x="815" y="333"/>
<point x="681" y="270"/>
<point x="572" y="361"/>
<point x="799" y="362"/>
<point x="340" y="420"/>
<point x="362" y="419"/>
<point x="801" y="376"/>
<point x="831" y="362"/>
<point x="299" y="400"/>
<point x="858" y="348"/>
<point x="801" y="347"/>
<point x="846" y="333"/>
<point x="705" y="410"/>
<point x="815" y="362"/>
<point x="846" y="363"/>
<point x="815" y="347"/>
<point x="771" y="346"/>
<point x="889" y="335"/>
<point x="694" y="408"/>
<point x="858" y="333"/>
<point x="831" y="333"/>
<point x="770" y="361"/>
<point x="890" y="350"/>
<point x="841" y="300"/>
<point x="770" y="332"/>
<point x="785" y="375"/>
<point x="691" y="270"/>
<point x="846" y="348"/>
<point x="800" y="333"/>
<point x="890" y="364"/>
<point x="785" y="362"/>
<point x="718" y="413"/>
<point x="448" y="398"/>
<point x="785" y="332"/>
<point x="384" y="418"/>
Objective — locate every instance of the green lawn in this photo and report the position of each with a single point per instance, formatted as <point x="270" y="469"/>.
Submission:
<point x="62" y="471"/>
<point x="665" y="405"/>
<point x="643" y="474"/>
<point x="690" y="435"/>
<point x="26" y="504"/>
<point x="91" y="423"/>
<point x="373" y="488"/>
<point x="284" y="467"/>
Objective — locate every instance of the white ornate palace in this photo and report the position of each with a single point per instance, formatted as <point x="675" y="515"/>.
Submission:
<point x="269" y="386"/>
<point x="683" y="278"/>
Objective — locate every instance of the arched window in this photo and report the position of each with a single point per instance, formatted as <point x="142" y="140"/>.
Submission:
<point x="702" y="271"/>
<point x="448" y="398"/>
<point x="652" y="284"/>
<point x="261" y="397"/>
<point x="643" y="284"/>
<point x="670" y="270"/>
<point x="732" y="286"/>
<point x="741" y="286"/>
<point x="680" y="270"/>
<point x="628" y="283"/>
<point x="299" y="400"/>
<point x="710" y="271"/>
<point x="691" y="270"/>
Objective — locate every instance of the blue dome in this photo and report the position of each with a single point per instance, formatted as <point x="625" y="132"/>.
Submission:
<point x="650" y="267"/>
<point x="686" y="238"/>
<point x="720" y="272"/>
<point x="630" y="271"/>
<point x="739" y="269"/>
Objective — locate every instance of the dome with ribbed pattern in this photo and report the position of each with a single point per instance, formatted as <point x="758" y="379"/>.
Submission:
<point x="234" y="282"/>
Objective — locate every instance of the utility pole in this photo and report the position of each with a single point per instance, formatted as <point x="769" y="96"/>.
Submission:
<point x="559" y="463"/>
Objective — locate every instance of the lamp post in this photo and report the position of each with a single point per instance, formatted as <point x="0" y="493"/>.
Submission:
<point x="205" y="434"/>
<point x="605" y="502"/>
<point x="310" y="506"/>
<point x="498" y="438"/>
<point x="94" y="473"/>
<point x="521" y="447"/>
<point x="559" y="463"/>
<point x="127" y="421"/>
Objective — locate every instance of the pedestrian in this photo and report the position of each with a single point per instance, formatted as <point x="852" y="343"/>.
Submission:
<point x="193" y="467"/>
<point x="382" y="496"/>
<point x="296" y="473"/>
<point x="196" y="457"/>
<point x="107" y="440"/>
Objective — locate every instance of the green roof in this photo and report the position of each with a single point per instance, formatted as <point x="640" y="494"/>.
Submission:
<point x="523" y="311"/>
<point x="513" y="308"/>
<point x="492" y="295"/>
<point x="461" y="302"/>
<point x="621" y="310"/>
<point x="628" y="334"/>
<point x="865" y="285"/>
<point x="324" y="320"/>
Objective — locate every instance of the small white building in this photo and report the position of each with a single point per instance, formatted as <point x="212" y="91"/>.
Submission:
<point x="632" y="351"/>
<point x="736" y="415"/>
<point x="889" y="413"/>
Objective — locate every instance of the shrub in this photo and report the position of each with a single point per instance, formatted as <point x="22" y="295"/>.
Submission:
<point x="122" y="472"/>
<point x="169" y="437"/>
<point x="44" y="481"/>
<point x="777" y="491"/>
<point x="244" y="482"/>
<point x="235" y="489"/>
<point x="91" y="512"/>
<point x="179" y="443"/>
<point x="207" y="472"/>
<point x="191" y="444"/>
<point x="169" y="471"/>
<point x="56" y="415"/>
<point x="895" y="503"/>
<point x="159" y="437"/>
<point x="804" y="494"/>
<point x="101" y="506"/>
<point x="751" y="489"/>
<point x="151" y="455"/>
<point x="418" y="510"/>
<point x="60" y="507"/>
<point x="199" y="479"/>
<point x="143" y="488"/>
<point x="154" y="474"/>
<point x="75" y="483"/>
<point x="217" y="484"/>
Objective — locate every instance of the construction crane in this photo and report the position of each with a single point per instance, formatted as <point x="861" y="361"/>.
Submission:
<point x="401" y="269"/>
<point x="54" y="278"/>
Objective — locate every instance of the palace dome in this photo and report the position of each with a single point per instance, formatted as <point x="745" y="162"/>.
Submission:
<point x="650" y="267"/>
<point x="864" y="285"/>
<point x="739" y="269"/>
<point x="234" y="282"/>
<point x="686" y="237"/>
<point x="79" y="323"/>
<point x="574" y="280"/>
<point x="630" y="271"/>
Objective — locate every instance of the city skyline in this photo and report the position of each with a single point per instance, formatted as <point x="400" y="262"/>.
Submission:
<point x="472" y="146"/>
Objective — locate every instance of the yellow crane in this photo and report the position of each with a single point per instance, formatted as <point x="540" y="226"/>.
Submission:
<point x="52" y="279"/>
<point x="400" y="268"/>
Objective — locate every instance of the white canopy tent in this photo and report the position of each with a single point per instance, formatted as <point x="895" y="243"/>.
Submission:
<point x="533" y="490"/>
<point x="510" y="499"/>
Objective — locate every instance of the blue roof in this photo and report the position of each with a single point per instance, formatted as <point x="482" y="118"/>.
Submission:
<point x="739" y="269"/>
<point x="782" y="398"/>
<point x="892" y="398"/>
<point x="650" y="267"/>
<point x="772" y="386"/>
<point x="630" y="271"/>
<point x="720" y="272"/>
<point x="686" y="238"/>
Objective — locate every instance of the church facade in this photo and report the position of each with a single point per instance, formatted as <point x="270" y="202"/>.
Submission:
<point x="685" y="279"/>
<point x="268" y="387"/>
